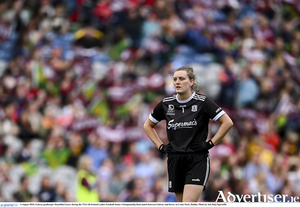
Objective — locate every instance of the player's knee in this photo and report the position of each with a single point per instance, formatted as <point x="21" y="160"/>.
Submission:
<point x="179" y="196"/>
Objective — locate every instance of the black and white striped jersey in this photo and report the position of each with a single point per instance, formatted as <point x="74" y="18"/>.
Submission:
<point x="186" y="121"/>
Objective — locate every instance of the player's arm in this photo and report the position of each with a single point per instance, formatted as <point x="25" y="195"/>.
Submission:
<point x="217" y="114"/>
<point x="226" y="124"/>
<point x="150" y="131"/>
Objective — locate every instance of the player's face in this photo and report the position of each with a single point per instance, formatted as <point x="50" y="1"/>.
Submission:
<point x="181" y="81"/>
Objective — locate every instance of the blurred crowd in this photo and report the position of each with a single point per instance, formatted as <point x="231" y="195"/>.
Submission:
<point x="80" y="77"/>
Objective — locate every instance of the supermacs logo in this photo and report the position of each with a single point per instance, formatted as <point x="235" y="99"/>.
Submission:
<point x="180" y="125"/>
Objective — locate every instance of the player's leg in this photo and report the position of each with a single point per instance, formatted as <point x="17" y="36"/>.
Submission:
<point x="196" y="178"/>
<point x="179" y="196"/>
<point x="191" y="193"/>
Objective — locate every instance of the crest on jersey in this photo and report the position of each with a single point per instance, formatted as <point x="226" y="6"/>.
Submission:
<point x="171" y="110"/>
<point x="194" y="108"/>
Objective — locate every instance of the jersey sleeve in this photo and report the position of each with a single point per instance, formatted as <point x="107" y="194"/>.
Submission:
<point x="158" y="113"/>
<point x="212" y="109"/>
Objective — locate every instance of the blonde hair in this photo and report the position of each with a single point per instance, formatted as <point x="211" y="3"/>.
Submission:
<point x="84" y="162"/>
<point x="190" y="73"/>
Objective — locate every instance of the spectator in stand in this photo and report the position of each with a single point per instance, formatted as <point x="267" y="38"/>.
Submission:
<point x="88" y="37"/>
<point x="134" y="191"/>
<point x="254" y="167"/>
<point x="23" y="194"/>
<point x="228" y="81"/>
<point x="26" y="131"/>
<point x="47" y="192"/>
<point x="133" y="26"/>
<point x="105" y="174"/>
<point x="60" y="192"/>
<point x="116" y="185"/>
<point x="247" y="90"/>
<point x="86" y="182"/>
<point x="97" y="150"/>
<point x="77" y="147"/>
<point x="56" y="152"/>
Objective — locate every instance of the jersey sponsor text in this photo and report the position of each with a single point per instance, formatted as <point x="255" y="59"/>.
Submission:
<point x="185" y="124"/>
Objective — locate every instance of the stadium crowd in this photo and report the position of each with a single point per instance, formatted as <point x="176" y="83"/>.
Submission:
<point x="80" y="78"/>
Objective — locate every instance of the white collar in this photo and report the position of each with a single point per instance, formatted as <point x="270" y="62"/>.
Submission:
<point x="187" y="100"/>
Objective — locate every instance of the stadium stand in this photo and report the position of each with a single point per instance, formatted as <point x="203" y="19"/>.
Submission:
<point x="81" y="77"/>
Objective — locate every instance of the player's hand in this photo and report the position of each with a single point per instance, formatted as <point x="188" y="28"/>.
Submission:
<point x="207" y="145"/>
<point x="202" y="146"/>
<point x="164" y="148"/>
